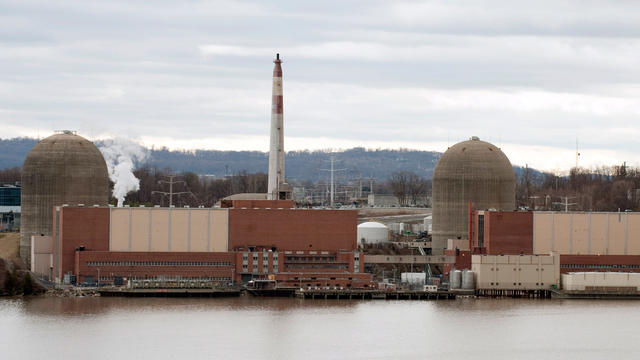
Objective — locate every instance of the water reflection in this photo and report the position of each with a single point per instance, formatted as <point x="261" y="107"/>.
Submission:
<point x="42" y="306"/>
<point x="287" y="328"/>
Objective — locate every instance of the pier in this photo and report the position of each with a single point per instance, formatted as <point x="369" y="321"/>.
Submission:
<point x="176" y="292"/>
<point x="374" y="294"/>
<point x="541" y="294"/>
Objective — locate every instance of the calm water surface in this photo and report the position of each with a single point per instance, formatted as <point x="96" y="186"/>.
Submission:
<point x="250" y="328"/>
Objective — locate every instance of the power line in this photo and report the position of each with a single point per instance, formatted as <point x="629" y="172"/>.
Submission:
<point x="333" y="184"/>
<point x="170" y="193"/>
<point x="566" y="202"/>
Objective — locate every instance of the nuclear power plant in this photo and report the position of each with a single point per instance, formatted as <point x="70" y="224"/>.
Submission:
<point x="62" y="169"/>
<point x="471" y="175"/>
<point x="70" y="235"/>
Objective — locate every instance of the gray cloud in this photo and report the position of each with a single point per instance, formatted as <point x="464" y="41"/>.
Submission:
<point x="421" y="74"/>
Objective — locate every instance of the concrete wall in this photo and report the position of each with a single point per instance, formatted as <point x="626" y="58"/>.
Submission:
<point x="590" y="263"/>
<point x="600" y="281"/>
<point x="168" y="230"/>
<point x="42" y="255"/>
<point x="515" y="272"/>
<point x="576" y="233"/>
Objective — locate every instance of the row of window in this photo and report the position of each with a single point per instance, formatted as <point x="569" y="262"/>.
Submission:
<point x="265" y="257"/>
<point x="600" y="266"/>
<point x="520" y="284"/>
<point x="158" y="263"/>
<point x="317" y="266"/>
<point x="265" y="268"/>
<point x="166" y="279"/>
<point x="311" y="258"/>
<point x="314" y="279"/>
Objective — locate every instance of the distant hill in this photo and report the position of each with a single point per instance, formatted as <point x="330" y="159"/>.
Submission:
<point x="300" y="165"/>
<point x="14" y="151"/>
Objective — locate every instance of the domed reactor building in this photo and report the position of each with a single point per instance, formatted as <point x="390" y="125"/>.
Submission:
<point x="62" y="169"/>
<point x="475" y="172"/>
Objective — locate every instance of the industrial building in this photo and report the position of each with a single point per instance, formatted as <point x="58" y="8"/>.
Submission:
<point x="601" y="282"/>
<point x="69" y="231"/>
<point x="516" y="272"/>
<point x="296" y="247"/>
<point x="473" y="174"/>
<point x="586" y="241"/>
<point x="61" y="169"/>
<point x="10" y="210"/>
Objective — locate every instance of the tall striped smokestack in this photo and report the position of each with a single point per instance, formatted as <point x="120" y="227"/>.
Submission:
<point x="276" y="148"/>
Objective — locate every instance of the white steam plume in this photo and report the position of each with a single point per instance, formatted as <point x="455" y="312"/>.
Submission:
<point x="121" y="156"/>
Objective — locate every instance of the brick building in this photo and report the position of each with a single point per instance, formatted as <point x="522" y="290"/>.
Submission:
<point x="296" y="247"/>
<point x="586" y="241"/>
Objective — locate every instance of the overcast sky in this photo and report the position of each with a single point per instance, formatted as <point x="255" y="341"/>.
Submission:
<point x="529" y="76"/>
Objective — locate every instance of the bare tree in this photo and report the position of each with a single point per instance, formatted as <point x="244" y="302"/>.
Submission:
<point x="400" y="186"/>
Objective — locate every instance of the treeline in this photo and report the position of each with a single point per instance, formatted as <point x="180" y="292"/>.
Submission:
<point x="602" y="189"/>
<point x="190" y="189"/>
<point x="409" y="187"/>
<point x="301" y="165"/>
<point x="11" y="175"/>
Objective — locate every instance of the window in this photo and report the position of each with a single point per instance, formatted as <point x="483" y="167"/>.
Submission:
<point x="480" y="230"/>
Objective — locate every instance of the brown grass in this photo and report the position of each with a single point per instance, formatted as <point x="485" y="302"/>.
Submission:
<point x="10" y="246"/>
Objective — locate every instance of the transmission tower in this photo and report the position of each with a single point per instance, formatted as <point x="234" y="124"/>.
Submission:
<point x="332" y="158"/>
<point x="566" y="202"/>
<point x="170" y="193"/>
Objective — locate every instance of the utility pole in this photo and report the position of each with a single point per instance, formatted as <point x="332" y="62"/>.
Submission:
<point x="566" y="202"/>
<point x="171" y="181"/>
<point x="333" y="184"/>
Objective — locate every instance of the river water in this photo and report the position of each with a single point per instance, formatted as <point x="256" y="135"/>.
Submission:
<point x="286" y="328"/>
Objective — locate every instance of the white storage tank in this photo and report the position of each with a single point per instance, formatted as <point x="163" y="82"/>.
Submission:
<point x="414" y="278"/>
<point x="372" y="233"/>
<point x="467" y="280"/>
<point x="455" y="279"/>
<point x="427" y="224"/>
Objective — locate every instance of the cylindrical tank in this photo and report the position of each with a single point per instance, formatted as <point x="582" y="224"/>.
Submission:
<point x="427" y="223"/>
<point x="372" y="233"/>
<point x="467" y="280"/>
<point x="62" y="169"/>
<point x="455" y="279"/>
<point x="475" y="172"/>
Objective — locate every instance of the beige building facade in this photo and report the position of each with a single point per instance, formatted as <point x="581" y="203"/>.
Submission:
<point x="601" y="281"/>
<point x="41" y="255"/>
<point x="168" y="229"/>
<point x="578" y="233"/>
<point x="516" y="272"/>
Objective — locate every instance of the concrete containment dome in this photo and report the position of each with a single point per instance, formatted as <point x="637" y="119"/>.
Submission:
<point x="471" y="171"/>
<point x="372" y="233"/>
<point x="62" y="169"/>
